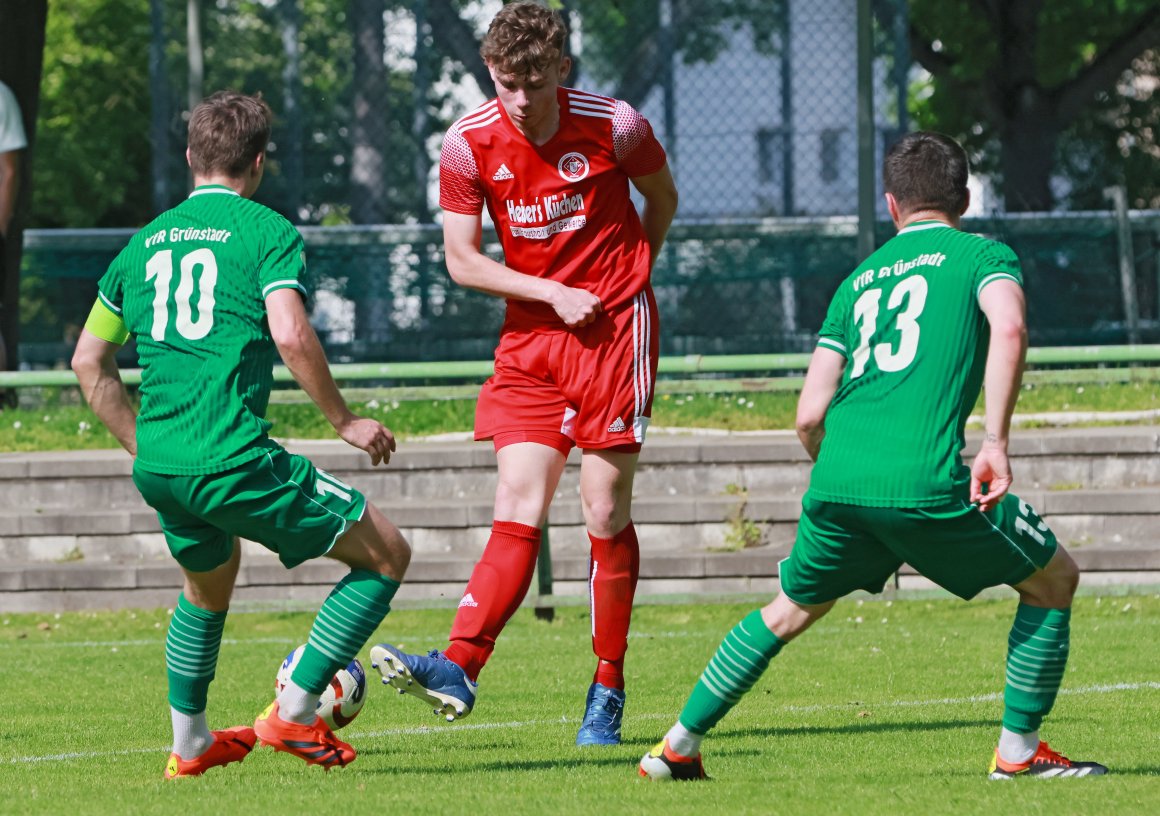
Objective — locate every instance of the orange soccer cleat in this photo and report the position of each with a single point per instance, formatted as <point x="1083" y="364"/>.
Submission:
<point x="1046" y="764"/>
<point x="230" y="745"/>
<point x="315" y="744"/>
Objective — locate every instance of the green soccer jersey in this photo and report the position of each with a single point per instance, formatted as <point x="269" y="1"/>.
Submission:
<point x="915" y="342"/>
<point x="191" y="287"/>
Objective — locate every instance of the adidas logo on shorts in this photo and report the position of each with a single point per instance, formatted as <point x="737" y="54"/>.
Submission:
<point x="468" y="601"/>
<point x="503" y="174"/>
<point x="618" y="426"/>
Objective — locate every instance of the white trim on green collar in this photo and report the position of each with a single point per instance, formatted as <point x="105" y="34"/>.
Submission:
<point x="213" y="188"/>
<point x="918" y="226"/>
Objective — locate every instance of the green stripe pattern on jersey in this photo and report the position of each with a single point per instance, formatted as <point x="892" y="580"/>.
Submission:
<point x="191" y="288"/>
<point x="915" y="341"/>
<point x="741" y="659"/>
<point x="191" y="654"/>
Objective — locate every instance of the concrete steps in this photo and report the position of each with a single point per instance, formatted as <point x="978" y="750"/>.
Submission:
<point x="40" y="587"/>
<point x="73" y="529"/>
<point x="1126" y="518"/>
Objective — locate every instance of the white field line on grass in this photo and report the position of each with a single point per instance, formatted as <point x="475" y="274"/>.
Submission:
<point x="160" y="642"/>
<point x="116" y="644"/>
<point x="1103" y="688"/>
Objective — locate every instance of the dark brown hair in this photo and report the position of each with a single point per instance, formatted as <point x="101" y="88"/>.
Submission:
<point x="227" y="131"/>
<point x="524" y="39"/>
<point x="926" y="171"/>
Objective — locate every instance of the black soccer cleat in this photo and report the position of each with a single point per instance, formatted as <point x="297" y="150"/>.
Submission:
<point x="662" y="764"/>
<point x="1046" y="764"/>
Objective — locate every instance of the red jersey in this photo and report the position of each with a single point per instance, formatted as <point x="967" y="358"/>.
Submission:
<point x="562" y="209"/>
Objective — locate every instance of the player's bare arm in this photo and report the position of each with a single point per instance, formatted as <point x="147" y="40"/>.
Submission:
<point x="9" y="187"/>
<point x="95" y="364"/>
<point x="302" y="353"/>
<point x="660" y="205"/>
<point x="1003" y="304"/>
<point x="469" y="267"/>
<point x="822" y="380"/>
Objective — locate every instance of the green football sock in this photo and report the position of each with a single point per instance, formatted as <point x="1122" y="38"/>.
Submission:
<point x="741" y="658"/>
<point x="347" y="619"/>
<point x="1036" y="658"/>
<point x="191" y="653"/>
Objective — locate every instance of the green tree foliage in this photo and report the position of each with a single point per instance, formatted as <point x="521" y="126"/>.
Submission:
<point x="1037" y="88"/>
<point x="1118" y="142"/>
<point x="96" y="106"/>
<point x="245" y="51"/>
<point x="92" y="167"/>
<point x="624" y="44"/>
<point x="1034" y="88"/>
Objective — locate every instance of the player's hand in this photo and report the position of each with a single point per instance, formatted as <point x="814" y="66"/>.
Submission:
<point x="991" y="468"/>
<point x="369" y="435"/>
<point x="576" y="307"/>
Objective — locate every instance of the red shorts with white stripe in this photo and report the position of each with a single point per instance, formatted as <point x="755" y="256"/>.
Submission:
<point x="591" y="387"/>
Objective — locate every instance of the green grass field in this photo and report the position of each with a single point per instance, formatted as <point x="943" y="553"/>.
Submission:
<point x="61" y="424"/>
<point x="884" y="708"/>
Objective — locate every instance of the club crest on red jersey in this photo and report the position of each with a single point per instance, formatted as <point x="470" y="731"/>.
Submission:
<point x="573" y="166"/>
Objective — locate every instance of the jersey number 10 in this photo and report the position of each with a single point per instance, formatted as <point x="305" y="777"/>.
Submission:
<point x="906" y="321"/>
<point x="159" y="269"/>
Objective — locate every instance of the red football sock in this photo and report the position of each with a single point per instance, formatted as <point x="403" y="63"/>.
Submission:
<point x="609" y="673"/>
<point x="498" y="584"/>
<point x="612" y="576"/>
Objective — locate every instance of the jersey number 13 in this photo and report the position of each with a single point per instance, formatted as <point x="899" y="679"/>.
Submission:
<point x="913" y="290"/>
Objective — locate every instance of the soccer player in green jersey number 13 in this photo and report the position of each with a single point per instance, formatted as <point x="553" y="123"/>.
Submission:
<point x="908" y="340"/>
<point x="210" y="289"/>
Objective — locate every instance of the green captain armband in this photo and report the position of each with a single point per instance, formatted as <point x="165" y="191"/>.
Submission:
<point x="106" y="324"/>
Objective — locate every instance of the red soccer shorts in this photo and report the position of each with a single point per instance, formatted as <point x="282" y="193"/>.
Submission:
<point x="591" y="387"/>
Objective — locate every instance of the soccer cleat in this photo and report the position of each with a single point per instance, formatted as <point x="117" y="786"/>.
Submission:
<point x="603" y="710"/>
<point x="662" y="764"/>
<point x="315" y="744"/>
<point x="1045" y="764"/>
<point x="432" y="678"/>
<point x="230" y="745"/>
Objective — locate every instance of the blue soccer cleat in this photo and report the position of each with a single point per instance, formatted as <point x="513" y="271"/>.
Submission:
<point x="603" y="711"/>
<point x="432" y="678"/>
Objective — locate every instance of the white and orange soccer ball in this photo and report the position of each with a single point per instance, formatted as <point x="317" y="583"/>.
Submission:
<point x="342" y="700"/>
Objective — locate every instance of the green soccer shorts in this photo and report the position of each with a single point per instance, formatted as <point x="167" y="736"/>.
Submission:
<point x="278" y="499"/>
<point x="844" y="547"/>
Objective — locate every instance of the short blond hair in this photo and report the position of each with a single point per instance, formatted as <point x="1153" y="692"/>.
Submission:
<point x="524" y="39"/>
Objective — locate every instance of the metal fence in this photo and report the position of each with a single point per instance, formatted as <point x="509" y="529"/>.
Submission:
<point x="755" y="101"/>
<point x="723" y="287"/>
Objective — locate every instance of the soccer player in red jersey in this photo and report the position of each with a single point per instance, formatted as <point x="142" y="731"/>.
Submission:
<point x="577" y="354"/>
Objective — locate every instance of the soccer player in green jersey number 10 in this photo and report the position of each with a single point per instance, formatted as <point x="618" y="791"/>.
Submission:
<point x="210" y="289"/>
<point x="908" y="340"/>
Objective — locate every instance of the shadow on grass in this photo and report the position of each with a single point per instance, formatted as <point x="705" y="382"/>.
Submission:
<point x="1139" y="770"/>
<point x="627" y="763"/>
<point x="625" y="755"/>
<point x="852" y="728"/>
